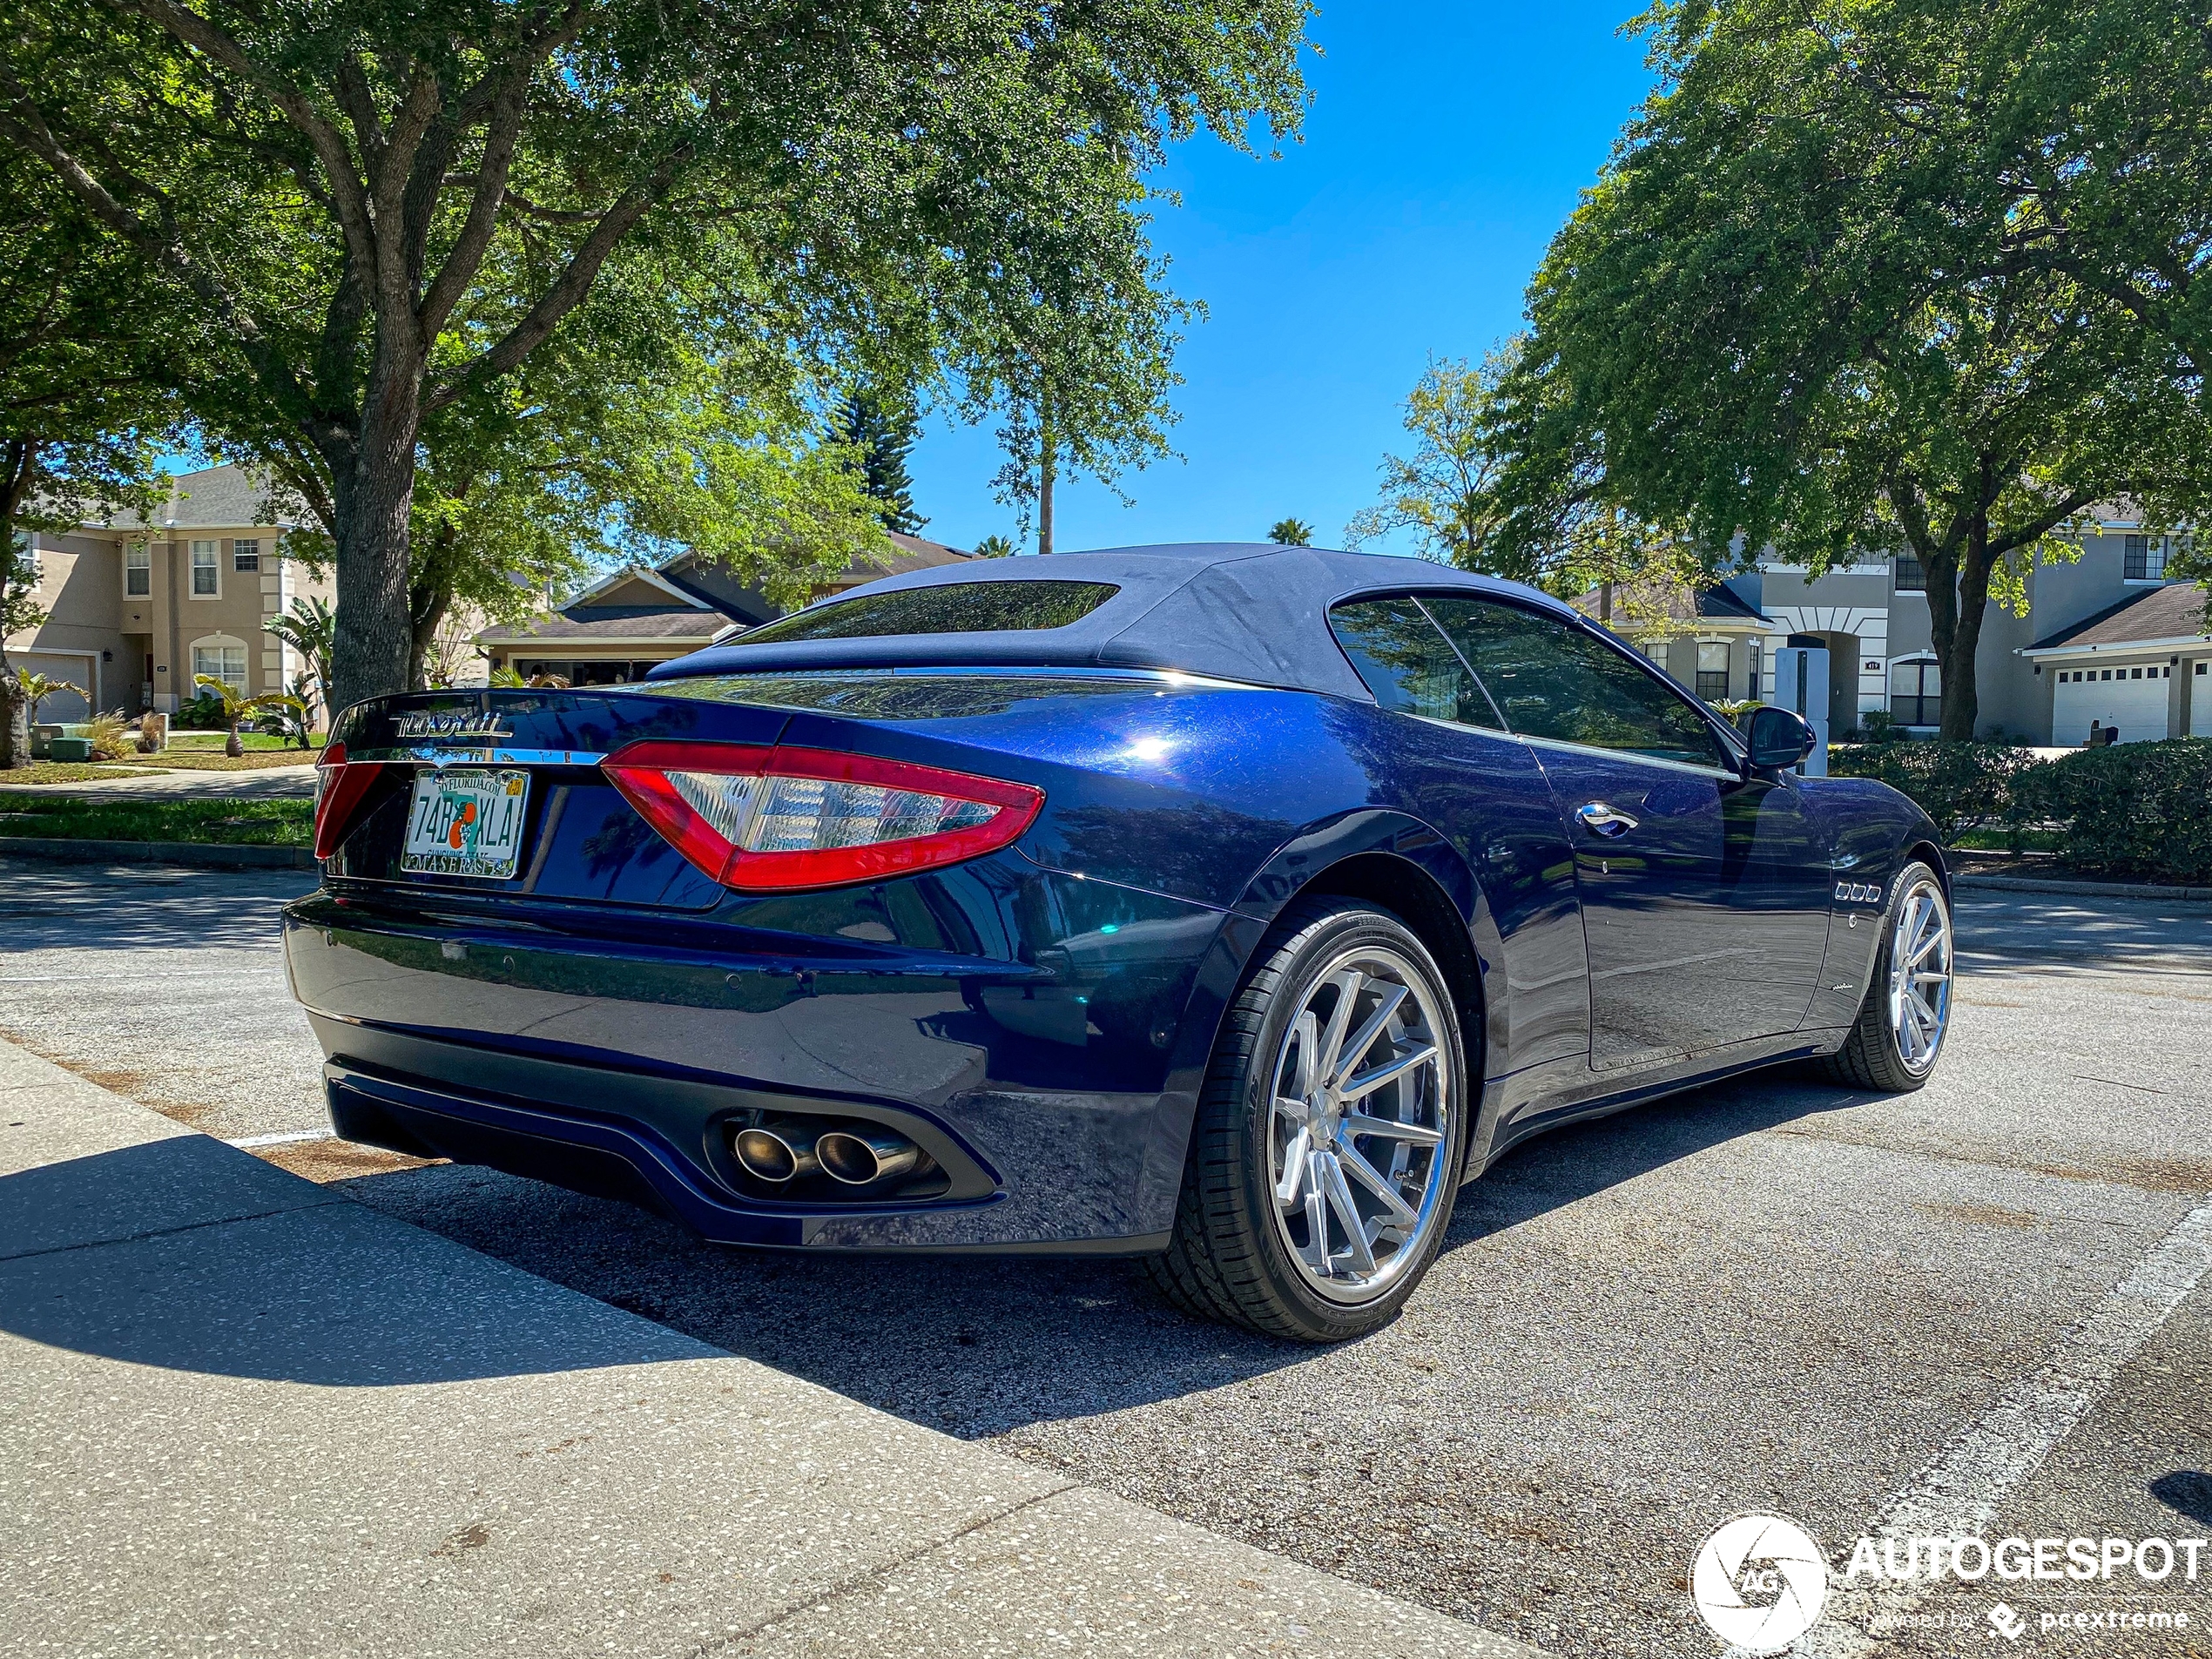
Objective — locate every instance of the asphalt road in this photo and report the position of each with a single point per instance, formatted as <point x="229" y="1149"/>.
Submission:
<point x="1774" y="1296"/>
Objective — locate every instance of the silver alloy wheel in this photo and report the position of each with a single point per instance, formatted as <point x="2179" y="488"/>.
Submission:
<point x="1359" y="1125"/>
<point x="1919" y="988"/>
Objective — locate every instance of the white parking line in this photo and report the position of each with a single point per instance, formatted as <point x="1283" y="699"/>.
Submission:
<point x="288" y="1137"/>
<point x="1958" y="1494"/>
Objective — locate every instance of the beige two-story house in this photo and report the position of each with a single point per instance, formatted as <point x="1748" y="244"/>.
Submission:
<point x="136" y="608"/>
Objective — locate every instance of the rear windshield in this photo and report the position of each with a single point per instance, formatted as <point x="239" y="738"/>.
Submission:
<point x="949" y="608"/>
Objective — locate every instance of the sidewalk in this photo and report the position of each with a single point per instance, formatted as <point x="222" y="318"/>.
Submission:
<point x="265" y="783"/>
<point x="246" y="1414"/>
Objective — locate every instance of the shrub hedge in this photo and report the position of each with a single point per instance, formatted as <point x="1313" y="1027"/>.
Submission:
<point x="2138" y="809"/>
<point x="2132" y="809"/>
<point x="1962" y="786"/>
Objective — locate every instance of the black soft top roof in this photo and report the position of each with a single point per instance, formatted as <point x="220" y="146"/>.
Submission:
<point x="1233" y="610"/>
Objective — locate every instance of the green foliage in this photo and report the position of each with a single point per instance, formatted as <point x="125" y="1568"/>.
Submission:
<point x="510" y="679"/>
<point x="995" y="546"/>
<point x="376" y="216"/>
<point x="310" y="627"/>
<point x="876" y="435"/>
<point x="83" y="349"/>
<point x="1962" y="786"/>
<point x="111" y="818"/>
<point x="35" y="689"/>
<point x="1808" y="304"/>
<point x="1291" y="532"/>
<point x="230" y="711"/>
<point x="2130" y="809"/>
<point x="1442" y="489"/>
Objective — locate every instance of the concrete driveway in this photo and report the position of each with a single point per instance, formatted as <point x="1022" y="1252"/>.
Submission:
<point x="1771" y="1297"/>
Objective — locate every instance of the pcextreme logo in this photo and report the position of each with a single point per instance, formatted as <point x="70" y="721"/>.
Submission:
<point x="1759" y="1584"/>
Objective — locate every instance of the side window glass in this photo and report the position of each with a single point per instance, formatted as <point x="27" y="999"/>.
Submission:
<point x="1553" y="680"/>
<point x="1406" y="663"/>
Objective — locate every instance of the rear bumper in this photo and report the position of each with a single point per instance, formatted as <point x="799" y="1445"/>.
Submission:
<point x="613" y="1067"/>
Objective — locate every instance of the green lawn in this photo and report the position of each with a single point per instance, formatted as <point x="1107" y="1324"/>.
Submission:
<point x="247" y="823"/>
<point x="253" y="741"/>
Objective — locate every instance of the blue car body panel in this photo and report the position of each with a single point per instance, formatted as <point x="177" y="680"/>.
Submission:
<point x="1040" y="1019"/>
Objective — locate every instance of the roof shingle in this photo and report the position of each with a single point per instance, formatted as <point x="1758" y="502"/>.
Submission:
<point x="2175" y="612"/>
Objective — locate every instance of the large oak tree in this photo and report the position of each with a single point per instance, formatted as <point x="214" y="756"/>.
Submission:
<point x="931" y="184"/>
<point x="1804" y="308"/>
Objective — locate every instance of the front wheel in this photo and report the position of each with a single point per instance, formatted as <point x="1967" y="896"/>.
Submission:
<point x="1898" y="1034"/>
<point x="1330" y="1134"/>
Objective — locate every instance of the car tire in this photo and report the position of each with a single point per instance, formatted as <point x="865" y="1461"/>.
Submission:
<point x="1888" y="1049"/>
<point x="1245" y="1246"/>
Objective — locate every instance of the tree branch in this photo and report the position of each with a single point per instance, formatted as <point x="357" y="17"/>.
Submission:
<point x="468" y="252"/>
<point x="22" y="123"/>
<point x="567" y="292"/>
<point x="203" y="36"/>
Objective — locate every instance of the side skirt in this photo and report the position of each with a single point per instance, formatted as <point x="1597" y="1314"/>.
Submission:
<point x="1695" y="1071"/>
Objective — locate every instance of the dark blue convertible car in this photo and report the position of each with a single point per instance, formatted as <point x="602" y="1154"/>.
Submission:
<point x="1226" y="906"/>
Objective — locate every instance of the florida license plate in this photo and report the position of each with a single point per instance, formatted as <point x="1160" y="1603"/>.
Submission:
<point x="465" y="822"/>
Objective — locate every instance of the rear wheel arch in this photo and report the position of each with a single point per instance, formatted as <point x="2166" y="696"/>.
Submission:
<point x="1386" y="859"/>
<point x="1418" y="899"/>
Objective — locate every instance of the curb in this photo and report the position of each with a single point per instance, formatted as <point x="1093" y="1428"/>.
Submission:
<point x="207" y="855"/>
<point x="2093" y="889"/>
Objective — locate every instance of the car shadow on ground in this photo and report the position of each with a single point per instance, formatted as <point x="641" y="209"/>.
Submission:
<point x="981" y="1345"/>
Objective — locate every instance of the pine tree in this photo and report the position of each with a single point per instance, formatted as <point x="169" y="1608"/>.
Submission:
<point x="883" y="433"/>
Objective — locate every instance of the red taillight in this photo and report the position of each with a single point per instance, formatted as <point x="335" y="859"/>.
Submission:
<point x="768" y="820"/>
<point x="339" y="784"/>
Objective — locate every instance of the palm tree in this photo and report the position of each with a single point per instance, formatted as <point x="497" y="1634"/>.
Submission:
<point x="510" y="679"/>
<point x="994" y="547"/>
<point x="310" y="627"/>
<point x="35" y="689"/>
<point x="1291" y="532"/>
<point x="237" y="710"/>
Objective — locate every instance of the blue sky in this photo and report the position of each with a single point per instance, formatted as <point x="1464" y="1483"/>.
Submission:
<point x="1444" y="145"/>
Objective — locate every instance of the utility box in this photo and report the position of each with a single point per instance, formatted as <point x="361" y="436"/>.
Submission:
<point x="1801" y="686"/>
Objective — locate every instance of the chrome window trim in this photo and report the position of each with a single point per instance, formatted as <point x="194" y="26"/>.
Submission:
<point x="1715" y="728"/>
<point x="1637" y="755"/>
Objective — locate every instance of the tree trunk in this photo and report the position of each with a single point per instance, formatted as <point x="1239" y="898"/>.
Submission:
<point x="18" y="459"/>
<point x="1955" y="656"/>
<point x="430" y="597"/>
<point x="370" y="657"/>
<point x="15" y="720"/>
<point x="1047" y="447"/>
<point x="427" y="603"/>
<point x="234" y="746"/>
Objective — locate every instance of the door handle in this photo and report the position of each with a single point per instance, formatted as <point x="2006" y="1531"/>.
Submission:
<point x="1601" y="820"/>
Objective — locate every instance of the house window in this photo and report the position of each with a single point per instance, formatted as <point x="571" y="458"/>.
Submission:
<point x="206" y="576"/>
<point x="224" y="663"/>
<point x="1712" y="671"/>
<point x="1916" y="693"/>
<point x="137" y="570"/>
<point x="1911" y="578"/>
<point x="2146" y="558"/>
<point x="246" y="555"/>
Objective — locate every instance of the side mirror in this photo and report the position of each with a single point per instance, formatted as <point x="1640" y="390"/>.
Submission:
<point x="1778" y="737"/>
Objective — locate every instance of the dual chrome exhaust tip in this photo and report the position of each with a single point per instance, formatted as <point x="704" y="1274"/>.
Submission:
<point x="858" y="1156"/>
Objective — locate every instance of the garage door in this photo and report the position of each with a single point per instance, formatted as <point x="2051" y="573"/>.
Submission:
<point x="63" y="705"/>
<point x="2134" y="699"/>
